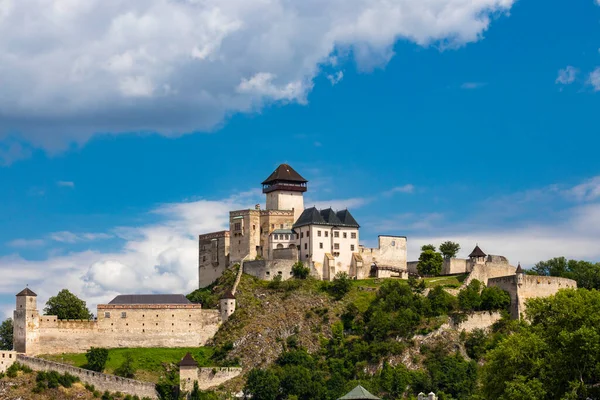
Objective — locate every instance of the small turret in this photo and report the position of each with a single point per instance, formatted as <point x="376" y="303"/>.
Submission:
<point x="519" y="272"/>
<point x="477" y="256"/>
<point x="227" y="305"/>
<point x="188" y="373"/>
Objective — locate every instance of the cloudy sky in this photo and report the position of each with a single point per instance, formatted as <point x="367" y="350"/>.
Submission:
<point x="127" y="128"/>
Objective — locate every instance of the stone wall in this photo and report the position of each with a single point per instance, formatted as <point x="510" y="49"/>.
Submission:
<point x="102" y="382"/>
<point x="478" y="320"/>
<point x="268" y="269"/>
<point x="453" y="266"/>
<point x="391" y="252"/>
<point x="213" y="377"/>
<point x="483" y="272"/>
<point x="7" y="358"/>
<point x="213" y="256"/>
<point x="411" y="266"/>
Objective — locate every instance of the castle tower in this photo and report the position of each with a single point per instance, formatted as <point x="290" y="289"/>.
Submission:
<point x="227" y="306"/>
<point x="519" y="272"/>
<point x="477" y="256"/>
<point x="284" y="189"/>
<point x="188" y="373"/>
<point x="26" y="322"/>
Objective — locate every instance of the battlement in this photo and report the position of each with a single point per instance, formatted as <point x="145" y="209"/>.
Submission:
<point x="214" y="235"/>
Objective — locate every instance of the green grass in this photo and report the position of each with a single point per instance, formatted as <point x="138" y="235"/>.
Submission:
<point x="446" y="281"/>
<point x="147" y="361"/>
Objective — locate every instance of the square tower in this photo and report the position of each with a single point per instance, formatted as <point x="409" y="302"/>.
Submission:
<point x="284" y="189"/>
<point x="26" y="322"/>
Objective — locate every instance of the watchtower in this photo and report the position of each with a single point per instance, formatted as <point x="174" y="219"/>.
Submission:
<point x="227" y="306"/>
<point x="26" y="322"/>
<point x="477" y="256"/>
<point x="284" y="189"/>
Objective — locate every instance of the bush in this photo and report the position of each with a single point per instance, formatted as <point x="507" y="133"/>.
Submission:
<point x="275" y="283"/>
<point x="11" y="371"/>
<point x="493" y="298"/>
<point x="96" y="359"/>
<point x="340" y="286"/>
<point x="126" y="369"/>
<point x="299" y="271"/>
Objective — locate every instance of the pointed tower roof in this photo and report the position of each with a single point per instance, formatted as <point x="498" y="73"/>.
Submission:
<point x="26" y="292"/>
<point x="284" y="173"/>
<point x="519" y="269"/>
<point x="188" y="361"/>
<point x="347" y="218"/>
<point x="359" y="393"/>
<point x="477" y="252"/>
<point x="330" y="217"/>
<point x="228" y="295"/>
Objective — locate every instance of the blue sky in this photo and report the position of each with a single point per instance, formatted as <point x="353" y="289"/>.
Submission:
<point x="479" y="126"/>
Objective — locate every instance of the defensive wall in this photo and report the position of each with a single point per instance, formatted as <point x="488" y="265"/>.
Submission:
<point x="493" y="268"/>
<point x="7" y="358"/>
<point x="101" y="381"/>
<point x="160" y="325"/>
<point x="522" y="287"/>
<point x="477" y="320"/>
<point x="269" y="269"/>
<point x="213" y="377"/>
<point x="390" y="252"/>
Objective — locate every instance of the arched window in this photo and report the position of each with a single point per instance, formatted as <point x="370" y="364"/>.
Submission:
<point x="280" y="246"/>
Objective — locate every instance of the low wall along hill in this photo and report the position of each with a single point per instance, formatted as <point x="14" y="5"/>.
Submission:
<point x="101" y="381"/>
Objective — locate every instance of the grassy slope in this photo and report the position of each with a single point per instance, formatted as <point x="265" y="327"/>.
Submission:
<point x="148" y="362"/>
<point x="447" y="281"/>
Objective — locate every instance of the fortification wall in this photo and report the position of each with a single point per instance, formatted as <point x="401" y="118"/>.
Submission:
<point x="411" y="266"/>
<point x="213" y="256"/>
<point x="390" y="252"/>
<point x="212" y="377"/>
<point x="268" y="269"/>
<point x="139" y="327"/>
<point x="102" y="382"/>
<point x="7" y="358"/>
<point x="483" y="272"/>
<point x="286" y="254"/>
<point x="478" y="320"/>
<point x="455" y="266"/>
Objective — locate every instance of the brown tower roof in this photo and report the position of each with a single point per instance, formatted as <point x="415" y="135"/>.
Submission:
<point x="228" y="295"/>
<point x="188" y="361"/>
<point x="284" y="173"/>
<point x="26" y="292"/>
<point x="477" y="252"/>
<point x="519" y="269"/>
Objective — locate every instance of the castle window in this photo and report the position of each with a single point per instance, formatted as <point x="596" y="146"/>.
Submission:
<point x="281" y="226"/>
<point x="319" y="233"/>
<point x="326" y="234"/>
<point x="306" y="256"/>
<point x="301" y="235"/>
<point x="156" y="315"/>
<point x="336" y="254"/>
<point x="203" y="258"/>
<point x="237" y="226"/>
<point x="253" y="227"/>
<point x="268" y="273"/>
<point x="127" y="324"/>
<point x="353" y="236"/>
<point x="345" y="235"/>
<point x="307" y="233"/>
<point x="287" y="237"/>
<point x="336" y="234"/>
<point x="336" y="246"/>
<point x="272" y="226"/>
<point x="305" y="246"/>
<point x="106" y="315"/>
<point x="351" y="247"/>
<point x="123" y="314"/>
<point x="143" y="330"/>
<point x="393" y="243"/>
<point x="320" y="245"/>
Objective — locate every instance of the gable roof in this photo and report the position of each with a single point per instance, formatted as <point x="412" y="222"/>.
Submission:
<point x="188" y="361"/>
<point x="312" y="216"/>
<point x="359" y="393"/>
<point x="477" y="252"/>
<point x="150" y="299"/>
<point x="284" y="173"/>
<point x="26" y="292"/>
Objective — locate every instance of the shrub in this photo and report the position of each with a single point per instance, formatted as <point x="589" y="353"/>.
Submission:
<point x="11" y="371"/>
<point x="299" y="271"/>
<point x="276" y="282"/>
<point x="96" y="359"/>
<point x="340" y="286"/>
<point x="126" y="369"/>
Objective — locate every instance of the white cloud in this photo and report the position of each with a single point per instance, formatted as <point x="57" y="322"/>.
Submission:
<point x="567" y="75"/>
<point x="339" y="204"/>
<point x="335" y="78"/>
<point x="472" y="85"/>
<point x="408" y="188"/>
<point x="115" y="65"/>
<point x="586" y="191"/>
<point x="70" y="237"/>
<point x="27" y="243"/>
<point x="594" y="79"/>
<point x="68" y="184"/>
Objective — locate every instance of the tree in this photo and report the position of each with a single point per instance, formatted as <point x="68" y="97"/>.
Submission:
<point x="469" y="298"/>
<point x="96" y="359"/>
<point x="493" y="298"/>
<point x="430" y="262"/>
<point x="340" y="286"/>
<point x="299" y="271"/>
<point x="449" y="249"/>
<point x="585" y="273"/>
<point x="65" y="305"/>
<point x="126" y="369"/>
<point x="6" y="334"/>
<point x="554" y="267"/>
<point x="261" y="384"/>
<point x="428" y="247"/>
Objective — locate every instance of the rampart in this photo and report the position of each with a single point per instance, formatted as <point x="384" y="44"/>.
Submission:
<point x="212" y="377"/>
<point x="102" y="382"/>
<point x="477" y="320"/>
<point x="489" y="270"/>
<point x="268" y="269"/>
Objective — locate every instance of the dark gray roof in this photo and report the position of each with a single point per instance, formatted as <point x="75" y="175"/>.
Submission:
<point x="150" y="299"/>
<point x="188" y="361"/>
<point x="26" y="292"/>
<point x="284" y="173"/>
<point x="312" y="216"/>
<point x="283" y="231"/>
<point x="519" y="269"/>
<point x="359" y="393"/>
<point x="477" y="252"/>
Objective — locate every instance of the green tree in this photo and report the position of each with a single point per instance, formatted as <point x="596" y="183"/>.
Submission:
<point x="126" y="369"/>
<point x="554" y="267"/>
<point x="469" y="298"/>
<point x="585" y="273"/>
<point x="493" y="298"/>
<point x="441" y="302"/>
<point x="340" y="286"/>
<point x="6" y="334"/>
<point x="299" y="271"/>
<point x="96" y="359"/>
<point x="428" y="247"/>
<point x="449" y="249"/>
<point x="65" y="305"/>
<point x="262" y="385"/>
<point x="430" y="262"/>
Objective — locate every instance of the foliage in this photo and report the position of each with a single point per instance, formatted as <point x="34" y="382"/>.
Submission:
<point x="430" y="262"/>
<point x="275" y="283"/>
<point x="262" y="384"/>
<point x="586" y="274"/>
<point x="450" y="374"/>
<point x="494" y="298"/>
<point x="426" y="247"/>
<point x="168" y="384"/>
<point x="126" y="369"/>
<point x="96" y="359"/>
<point x="65" y="305"/>
<point x="340" y="285"/>
<point x="52" y="380"/>
<point x="417" y="285"/>
<point x="557" y="355"/>
<point x="13" y="370"/>
<point x="449" y="249"/>
<point x="204" y="296"/>
<point x="441" y="302"/>
<point x="299" y="271"/>
<point x="6" y="334"/>
<point x="469" y="298"/>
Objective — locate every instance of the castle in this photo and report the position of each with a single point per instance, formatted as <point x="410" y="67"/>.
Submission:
<point x="272" y="240"/>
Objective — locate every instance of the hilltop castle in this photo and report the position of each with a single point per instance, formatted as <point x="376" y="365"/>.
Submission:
<point x="272" y="240"/>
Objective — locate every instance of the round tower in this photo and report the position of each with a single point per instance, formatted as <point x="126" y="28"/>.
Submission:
<point x="26" y="322"/>
<point x="284" y="189"/>
<point x="227" y="305"/>
<point x="519" y="272"/>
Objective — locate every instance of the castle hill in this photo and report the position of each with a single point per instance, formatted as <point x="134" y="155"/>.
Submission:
<point x="299" y="200"/>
